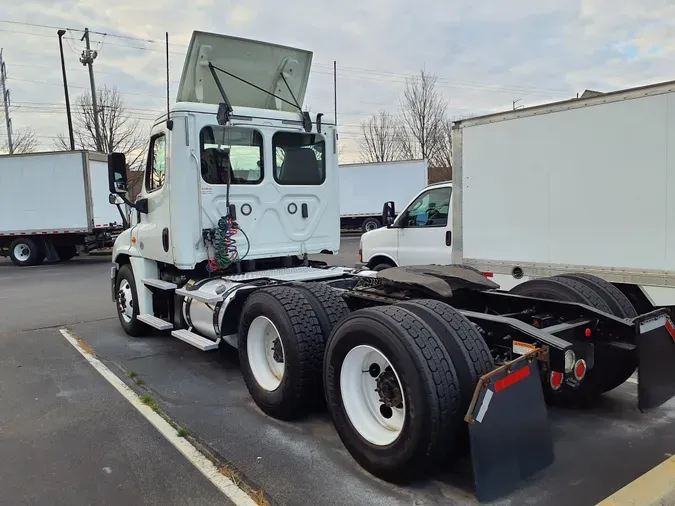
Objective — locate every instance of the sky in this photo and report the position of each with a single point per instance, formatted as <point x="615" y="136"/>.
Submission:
<point x="485" y="54"/>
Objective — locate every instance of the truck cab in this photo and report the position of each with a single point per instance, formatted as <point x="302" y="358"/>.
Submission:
<point x="420" y="235"/>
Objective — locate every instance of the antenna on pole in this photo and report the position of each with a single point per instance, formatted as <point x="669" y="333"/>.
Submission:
<point x="335" y="90"/>
<point x="87" y="58"/>
<point x="169" y="121"/>
<point x="5" y="99"/>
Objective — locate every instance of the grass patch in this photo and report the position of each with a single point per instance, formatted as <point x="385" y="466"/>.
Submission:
<point x="139" y="381"/>
<point x="182" y="433"/>
<point x="132" y="374"/>
<point x="150" y="402"/>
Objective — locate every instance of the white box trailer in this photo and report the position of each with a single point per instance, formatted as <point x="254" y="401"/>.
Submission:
<point x="365" y="186"/>
<point x="53" y="202"/>
<point x="585" y="185"/>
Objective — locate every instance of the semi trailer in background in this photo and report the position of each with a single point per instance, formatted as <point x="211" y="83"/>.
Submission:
<point x="364" y="186"/>
<point x="53" y="204"/>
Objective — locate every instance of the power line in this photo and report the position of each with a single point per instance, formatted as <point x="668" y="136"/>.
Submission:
<point x="397" y="77"/>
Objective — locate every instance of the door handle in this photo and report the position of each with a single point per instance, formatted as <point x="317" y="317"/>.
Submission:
<point x="305" y="211"/>
<point x="448" y="238"/>
<point x="165" y="240"/>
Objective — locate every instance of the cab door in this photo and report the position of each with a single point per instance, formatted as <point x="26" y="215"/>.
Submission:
<point x="424" y="229"/>
<point x="153" y="229"/>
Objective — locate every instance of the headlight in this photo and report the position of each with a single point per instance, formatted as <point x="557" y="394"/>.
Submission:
<point x="570" y="358"/>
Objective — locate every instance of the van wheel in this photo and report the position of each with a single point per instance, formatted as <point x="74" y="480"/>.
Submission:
<point x="126" y="298"/>
<point x="392" y="392"/>
<point x="26" y="252"/>
<point x="280" y="350"/>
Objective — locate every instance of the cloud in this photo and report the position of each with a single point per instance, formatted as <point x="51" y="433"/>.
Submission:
<point x="486" y="54"/>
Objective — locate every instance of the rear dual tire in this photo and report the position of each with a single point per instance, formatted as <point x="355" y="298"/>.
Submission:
<point x="397" y="379"/>
<point x="612" y="367"/>
<point x="417" y="355"/>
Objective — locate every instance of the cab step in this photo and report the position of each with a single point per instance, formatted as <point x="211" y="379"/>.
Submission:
<point x="155" y="322"/>
<point x="208" y="298"/>
<point x="159" y="283"/>
<point x="195" y="340"/>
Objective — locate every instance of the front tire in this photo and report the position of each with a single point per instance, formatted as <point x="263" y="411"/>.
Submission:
<point x="26" y="252"/>
<point x="281" y="349"/>
<point x="408" y="425"/>
<point x="126" y="298"/>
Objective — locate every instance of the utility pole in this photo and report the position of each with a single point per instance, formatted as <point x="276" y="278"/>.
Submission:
<point x="5" y="99"/>
<point x="87" y="58"/>
<point x="61" y="33"/>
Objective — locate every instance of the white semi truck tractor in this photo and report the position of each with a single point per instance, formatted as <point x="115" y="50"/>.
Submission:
<point x="241" y="186"/>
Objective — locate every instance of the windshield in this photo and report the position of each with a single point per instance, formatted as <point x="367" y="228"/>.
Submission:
<point x="237" y="149"/>
<point x="299" y="158"/>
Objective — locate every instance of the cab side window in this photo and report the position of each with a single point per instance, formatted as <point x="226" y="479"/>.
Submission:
<point x="156" y="170"/>
<point x="430" y="209"/>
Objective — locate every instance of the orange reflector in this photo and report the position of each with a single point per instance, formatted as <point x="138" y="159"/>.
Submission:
<point x="580" y="369"/>
<point x="556" y="380"/>
<point x="587" y="333"/>
<point x="512" y="378"/>
<point x="487" y="274"/>
<point x="133" y="240"/>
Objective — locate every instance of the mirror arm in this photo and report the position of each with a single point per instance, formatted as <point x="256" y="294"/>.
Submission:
<point x="125" y="222"/>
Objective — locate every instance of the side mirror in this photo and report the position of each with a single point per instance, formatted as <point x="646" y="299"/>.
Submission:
<point x="388" y="213"/>
<point x="114" y="199"/>
<point x="117" y="173"/>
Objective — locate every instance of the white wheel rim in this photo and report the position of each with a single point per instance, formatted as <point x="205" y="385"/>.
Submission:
<point x="22" y="252"/>
<point x="371" y="226"/>
<point x="265" y="353"/>
<point x="125" y="301"/>
<point x="376" y="422"/>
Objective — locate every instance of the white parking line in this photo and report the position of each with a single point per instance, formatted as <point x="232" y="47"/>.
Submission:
<point x="632" y="380"/>
<point x="205" y="466"/>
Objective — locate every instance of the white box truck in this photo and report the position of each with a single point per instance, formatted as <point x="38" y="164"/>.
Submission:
<point x="53" y="203"/>
<point x="584" y="186"/>
<point x="242" y="187"/>
<point x="364" y="186"/>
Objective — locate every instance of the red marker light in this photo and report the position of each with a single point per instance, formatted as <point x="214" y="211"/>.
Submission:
<point x="556" y="380"/>
<point x="587" y="333"/>
<point x="580" y="369"/>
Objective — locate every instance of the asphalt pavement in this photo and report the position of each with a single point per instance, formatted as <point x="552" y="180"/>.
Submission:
<point x="597" y="450"/>
<point x="68" y="438"/>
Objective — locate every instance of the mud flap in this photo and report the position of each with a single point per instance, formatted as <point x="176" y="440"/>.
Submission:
<point x="656" y="359"/>
<point x="508" y="428"/>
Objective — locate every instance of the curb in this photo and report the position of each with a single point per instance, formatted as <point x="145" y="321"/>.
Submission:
<point x="654" y="488"/>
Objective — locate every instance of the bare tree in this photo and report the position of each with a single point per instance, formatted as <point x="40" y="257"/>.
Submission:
<point x="24" y="140"/>
<point x="120" y="132"/>
<point x="423" y="112"/>
<point x="380" y="140"/>
<point x="442" y="158"/>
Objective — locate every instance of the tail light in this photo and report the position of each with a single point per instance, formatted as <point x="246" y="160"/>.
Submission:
<point x="580" y="369"/>
<point x="556" y="380"/>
